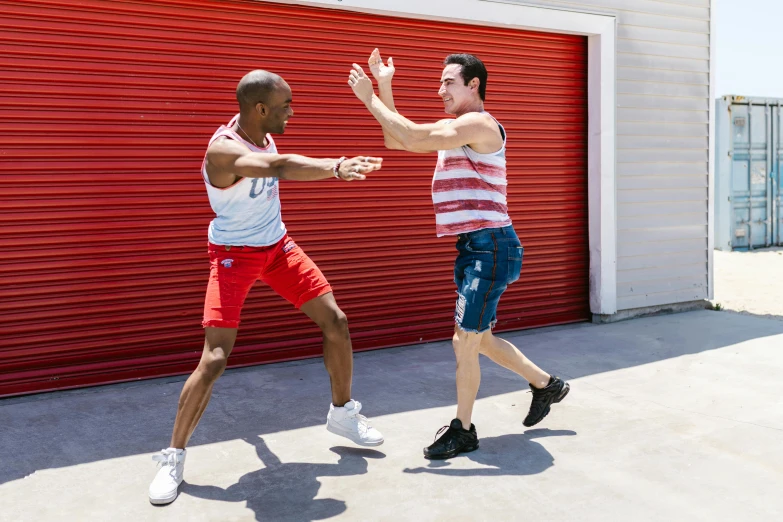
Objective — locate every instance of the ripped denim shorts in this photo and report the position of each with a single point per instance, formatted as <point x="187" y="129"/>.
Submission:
<point x="488" y="260"/>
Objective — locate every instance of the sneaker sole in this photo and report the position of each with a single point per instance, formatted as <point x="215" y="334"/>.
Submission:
<point x="164" y="501"/>
<point x="452" y="454"/>
<point x="563" y="393"/>
<point x="566" y="389"/>
<point x="348" y="436"/>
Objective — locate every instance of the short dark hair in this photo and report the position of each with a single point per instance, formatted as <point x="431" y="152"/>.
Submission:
<point x="255" y="87"/>
<point x="472" y="67"/>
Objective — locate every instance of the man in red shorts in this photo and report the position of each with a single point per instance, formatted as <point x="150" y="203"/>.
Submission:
<point x="248" y="242"/>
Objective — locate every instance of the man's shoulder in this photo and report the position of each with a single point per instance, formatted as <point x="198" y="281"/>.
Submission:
<point x="482" y="130"/>
<point x="226" y="145"/>
<point x="477" y="118"/>
<point x="223" y="152"/>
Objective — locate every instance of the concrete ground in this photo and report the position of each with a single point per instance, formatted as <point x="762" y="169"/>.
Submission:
<point x="670" y="418"/>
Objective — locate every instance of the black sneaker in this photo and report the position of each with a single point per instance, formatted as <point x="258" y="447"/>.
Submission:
<point x="543" y="398"/>
<point x="456" y="440"/>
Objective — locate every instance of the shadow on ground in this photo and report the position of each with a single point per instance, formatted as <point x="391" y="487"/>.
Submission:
<point x="529" y="457"/>
<point x="287" y="490"/>
<point x="71" y="428"/>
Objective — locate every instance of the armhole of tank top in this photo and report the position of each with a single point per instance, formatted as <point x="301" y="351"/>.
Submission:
<point x="502" y="136"/>
<point x="204" y="168"/>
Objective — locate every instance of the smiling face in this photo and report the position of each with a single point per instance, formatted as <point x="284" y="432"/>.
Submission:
<point x="277" y="109"/>
<point x="457" y="97"/>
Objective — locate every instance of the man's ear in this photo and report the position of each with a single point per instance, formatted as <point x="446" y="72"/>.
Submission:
<point x="261" y="108"/>
<point x="474" y="83"/>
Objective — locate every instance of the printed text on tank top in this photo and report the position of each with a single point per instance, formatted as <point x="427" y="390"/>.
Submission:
<point x="247" y="212"/>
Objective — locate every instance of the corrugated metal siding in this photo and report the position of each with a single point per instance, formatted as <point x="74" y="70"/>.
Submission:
<point x="108" y="106"/>
<point x="662" y="141"/>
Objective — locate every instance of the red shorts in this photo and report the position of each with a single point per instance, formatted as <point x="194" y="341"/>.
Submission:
<point x="234" y="270"/>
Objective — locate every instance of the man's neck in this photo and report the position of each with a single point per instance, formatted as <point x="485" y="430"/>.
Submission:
<point x="476" y="107"/>
<point x="250" y="131"/>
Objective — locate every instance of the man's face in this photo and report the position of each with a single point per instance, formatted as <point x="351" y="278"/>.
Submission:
<point x="455" y="94"/>
<point x="277" y="110"/>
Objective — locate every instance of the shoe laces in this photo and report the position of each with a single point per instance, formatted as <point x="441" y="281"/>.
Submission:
<point x="444" y="428"/>
<point x="167" y="458"/>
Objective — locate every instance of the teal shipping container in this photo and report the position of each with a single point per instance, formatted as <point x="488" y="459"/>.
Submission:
<point x="747" y="175"/>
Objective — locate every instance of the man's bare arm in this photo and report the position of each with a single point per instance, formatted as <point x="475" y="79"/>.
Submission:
<point x="383" y="75"/>
<point x="477" y="130"/>
<point x="227" y="159"/>
<point x="471" y="129"/>
<point x="387" y="98"/>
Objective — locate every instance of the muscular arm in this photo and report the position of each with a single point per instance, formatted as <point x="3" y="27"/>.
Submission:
<point x="387" y="98"/>
<point x="383" y="74"/>
<point x="227" y="159"/>
<point x="474" y="129"/>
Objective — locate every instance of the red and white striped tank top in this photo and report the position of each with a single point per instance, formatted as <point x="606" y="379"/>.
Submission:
<point x="469" y="190"/>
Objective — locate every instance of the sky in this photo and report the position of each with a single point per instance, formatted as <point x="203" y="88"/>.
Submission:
<point x="749" y="47"/>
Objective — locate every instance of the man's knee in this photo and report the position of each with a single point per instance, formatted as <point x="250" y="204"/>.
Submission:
<point x="485" y="345"/>
<point x="466" y="344"/>
<point x="335" y="326"/>
<point x="213" y="363"/>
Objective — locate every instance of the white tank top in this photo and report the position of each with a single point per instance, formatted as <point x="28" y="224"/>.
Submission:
<point x="247" y="213"/>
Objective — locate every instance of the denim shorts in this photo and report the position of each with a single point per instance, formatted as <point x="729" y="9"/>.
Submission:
<point x="488" y="260"/>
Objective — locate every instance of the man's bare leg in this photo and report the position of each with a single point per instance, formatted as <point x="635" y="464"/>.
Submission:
<point x="343" y="418"/>
<point x="461" y="437"/>
<point x="338" y="353"/>
<point x="193" y="401"/>
<point x="466" y="349"/>
<point x="547" y="389"/>
<point x="197" y="391"/>
<point x="508" y="356"/>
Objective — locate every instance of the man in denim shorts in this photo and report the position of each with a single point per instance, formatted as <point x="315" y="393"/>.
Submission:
<point x="469" y="195"/>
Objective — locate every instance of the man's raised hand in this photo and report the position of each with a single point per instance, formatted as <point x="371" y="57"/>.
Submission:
<point x="381" y="72"/>
<point x="361" y="84"/>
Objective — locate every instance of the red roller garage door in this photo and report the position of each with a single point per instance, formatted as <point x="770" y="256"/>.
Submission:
<point x="107" y="108"/>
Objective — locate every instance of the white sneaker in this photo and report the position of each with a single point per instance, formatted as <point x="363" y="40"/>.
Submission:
<point x="165" y="485"/>
<point x="346" y="422"/>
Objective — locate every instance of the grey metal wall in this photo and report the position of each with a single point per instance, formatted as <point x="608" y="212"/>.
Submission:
<point x="663" y="101"/>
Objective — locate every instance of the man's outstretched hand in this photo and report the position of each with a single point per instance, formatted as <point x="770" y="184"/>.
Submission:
<point x="361" y="84"/>
<point x="354" y="169"/>
<point x="382" y="73"/>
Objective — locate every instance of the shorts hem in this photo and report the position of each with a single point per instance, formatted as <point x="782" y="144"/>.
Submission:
<point x="475" y="330"/>
<point x="312" y="294"/>
<point x="219" y="323"/>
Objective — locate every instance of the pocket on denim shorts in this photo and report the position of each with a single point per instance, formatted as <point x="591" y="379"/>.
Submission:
<point x="515" y="253"/>
<point x="481" y="244"/>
